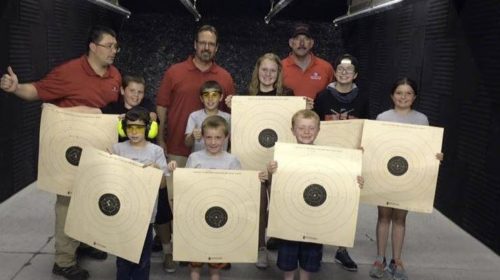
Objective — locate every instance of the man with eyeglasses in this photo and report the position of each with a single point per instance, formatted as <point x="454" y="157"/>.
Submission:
<point x="83" y="84"/>
<point x="178" y="96"/>
<point x="303" y="72"/>
<point x="342" y="100"/>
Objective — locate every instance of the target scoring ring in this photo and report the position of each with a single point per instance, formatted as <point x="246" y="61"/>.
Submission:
<point x="397" y="165"/>
<point x="314" y="195"/>
<point x="216" y="217"/>
<point x="268" y="137"/>
<point x="73" y="154"/>
<point x="109" y="204"/>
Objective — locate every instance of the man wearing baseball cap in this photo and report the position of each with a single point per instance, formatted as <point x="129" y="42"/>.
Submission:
<point x="303" y="72"/>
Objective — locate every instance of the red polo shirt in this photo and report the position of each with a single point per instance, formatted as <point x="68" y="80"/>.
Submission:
<point x="179" y="92"/>
<point x="74" y="83"/>
<point x="308" y="83"/>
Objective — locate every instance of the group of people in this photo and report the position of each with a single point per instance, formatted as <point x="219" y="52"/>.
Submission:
<point x="194" y="130"/>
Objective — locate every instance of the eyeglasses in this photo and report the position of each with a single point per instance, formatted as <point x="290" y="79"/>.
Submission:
<point x="349" y="70"/>
<point x="109" y="47"/>
<point x="211" y="95"/>
<point x="206" y="44"/>
<point x="136" y="127"/>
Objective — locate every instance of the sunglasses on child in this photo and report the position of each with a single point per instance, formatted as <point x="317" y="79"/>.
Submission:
<point x="137" y="127"/>
<point x="211" y="94"/>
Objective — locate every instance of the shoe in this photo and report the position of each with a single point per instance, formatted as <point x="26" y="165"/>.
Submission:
<point x="227" y="266"/>
<point x="157" y="247"/>
<point x="168" y="264"/>
<point x="183" y="263"/>
<point x="342" y="257"/>
<point x="272" y="244"/>
<point x="91" y="252"/>
<point x="391" y="267"/>
<point x="399" y="272"/>
<point x="378" y="268"/>
<point x="262" y="261"/>
<point x="73" y="272"/>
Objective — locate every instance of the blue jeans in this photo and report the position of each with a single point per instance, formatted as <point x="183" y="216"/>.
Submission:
<point x="126" y="270"/>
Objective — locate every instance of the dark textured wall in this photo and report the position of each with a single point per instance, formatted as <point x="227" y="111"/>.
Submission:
<point x="451" y="49"/>
<point x="36" y="35"/>
<point x="153" y="42"/>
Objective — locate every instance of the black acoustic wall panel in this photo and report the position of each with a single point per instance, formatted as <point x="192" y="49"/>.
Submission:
<point x="37" y="35"/>
<point x="451" y="49"/>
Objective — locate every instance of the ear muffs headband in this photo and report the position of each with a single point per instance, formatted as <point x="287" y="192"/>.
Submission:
<point x="151" y="129"/>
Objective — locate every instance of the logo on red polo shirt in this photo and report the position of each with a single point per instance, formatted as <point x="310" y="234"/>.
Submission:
<point x="315" y="76"/>
<point x="115" y="89"/>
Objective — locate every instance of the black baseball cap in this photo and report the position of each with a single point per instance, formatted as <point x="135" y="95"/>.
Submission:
<point x="301" y="29"/>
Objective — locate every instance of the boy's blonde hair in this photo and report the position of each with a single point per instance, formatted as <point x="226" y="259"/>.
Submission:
<point x="305" y="114"/>
<point x="215" y="122"/>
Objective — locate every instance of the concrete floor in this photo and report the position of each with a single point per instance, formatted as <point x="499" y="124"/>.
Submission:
<point x="435" y="248"/>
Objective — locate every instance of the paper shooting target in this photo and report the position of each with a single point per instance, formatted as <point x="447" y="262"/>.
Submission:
<point x="258" y="122"/>
<point x="112" y="203"/>
<point x="216" y="215"/>
<point x="399" y="165"/>
<point x="314" y="194"/>
<point x="63" y="137"/>
<point x="343" y="134"/>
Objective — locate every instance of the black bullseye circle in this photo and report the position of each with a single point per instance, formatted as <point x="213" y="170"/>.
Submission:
<point x="267" y="138"/>
<point x="73" y="154"/>
<point x="314" y="195"/>
<point x="397" y="166"/>
<point x="109" y="204"/>
<point x="216" y="217"/>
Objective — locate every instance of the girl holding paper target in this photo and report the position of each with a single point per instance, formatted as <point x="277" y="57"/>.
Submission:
<point x="403" y="94"/>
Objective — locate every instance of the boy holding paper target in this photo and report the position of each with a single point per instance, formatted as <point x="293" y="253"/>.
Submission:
<point x="292" y="254"/>
<point x="136" y="126"/>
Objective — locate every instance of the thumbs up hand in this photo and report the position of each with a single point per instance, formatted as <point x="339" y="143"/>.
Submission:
<point x="9" y="81"/>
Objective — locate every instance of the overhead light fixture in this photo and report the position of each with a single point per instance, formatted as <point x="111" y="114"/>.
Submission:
<point x="275" y="9"/>
<point x="191" y="6"/>
<point x="372" y="8"/>
<point x="112" y="5"/>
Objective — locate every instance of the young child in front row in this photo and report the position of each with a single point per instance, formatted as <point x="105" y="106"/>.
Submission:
<point x="291" y="254"/>
<point x="210" y="95"/>
<point x="403" y="94"/>
<point x="132" y="94"/>
<point x="136" y="125"/>
<point x="215" y="132"/>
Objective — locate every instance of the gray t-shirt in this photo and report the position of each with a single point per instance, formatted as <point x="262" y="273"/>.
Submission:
<point x="202" y="159"/>
<point x="149" y="154"/>
<point x="413" y="117"/>
<point x="196" y="119"/>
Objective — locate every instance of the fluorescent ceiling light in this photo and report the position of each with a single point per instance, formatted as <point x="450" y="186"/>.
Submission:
<point x="113" y="7"/>
<point x="192" y="8"/>
<point x="275" y="9"/>
<point x="368" y="11"/>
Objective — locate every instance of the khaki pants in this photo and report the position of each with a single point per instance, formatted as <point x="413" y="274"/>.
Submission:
<point x="65" y="246"/>
<point x="181" y="160"/>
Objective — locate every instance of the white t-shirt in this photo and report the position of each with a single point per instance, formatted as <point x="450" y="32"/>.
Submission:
<point x="413" y="117"/>
<point x="202" y="159"/>
<point x="196" y="119"/>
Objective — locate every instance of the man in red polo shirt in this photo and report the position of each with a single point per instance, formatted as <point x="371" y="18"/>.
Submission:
<point x="83" y="84"/>
<point x="303" y="72"/>
<point x="178" y="95"/>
